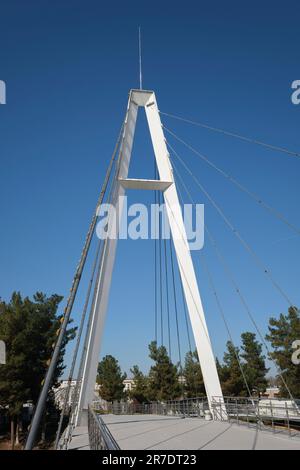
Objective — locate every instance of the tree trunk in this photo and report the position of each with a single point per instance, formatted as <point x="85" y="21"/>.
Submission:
<point x="12" y="433"/>
<point x="18" y="432"/>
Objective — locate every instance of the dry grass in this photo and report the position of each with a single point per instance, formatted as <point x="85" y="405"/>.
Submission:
<point x="5" y="445"/>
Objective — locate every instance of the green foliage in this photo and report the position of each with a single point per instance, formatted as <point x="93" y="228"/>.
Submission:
<point x="29" y="330"/>
<point x="232" y="379"/>
<point x="140" y="390"/>
<point x="194" y="385"/>
<point x="163" y="376"/>
<point x="282" y="333"/>
<point x="254" y="363"/>
<point x="110" y="379"/>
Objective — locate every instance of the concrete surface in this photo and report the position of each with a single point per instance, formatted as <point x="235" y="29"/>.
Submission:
<point x="80" y="439"/>
<point x="151" y="432"/>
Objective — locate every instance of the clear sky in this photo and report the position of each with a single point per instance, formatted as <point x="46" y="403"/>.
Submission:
<point x="68" y="67"/>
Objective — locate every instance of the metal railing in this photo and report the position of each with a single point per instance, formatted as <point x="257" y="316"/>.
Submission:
<point x="194" y="407"/>
<point x="266" y="414"/>
<point x="99" y="436"/>
<point x="277" y="415"/>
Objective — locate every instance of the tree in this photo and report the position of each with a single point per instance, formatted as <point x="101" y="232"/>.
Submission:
<point x="163" y="376"/>
<point x="194" y="384"/>
<point x="233" y="383"/>
<point x="110" y="379"/>
<point x="222" y="371"/>
<point x="255" y="367"/>
<point x="140" y="388"/>
<point x="29" y="330"/>
<point x="282" y="333"/>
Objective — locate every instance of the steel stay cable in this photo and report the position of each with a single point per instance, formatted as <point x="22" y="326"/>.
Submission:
<point x="246" y="306"/>
<point x="167" y="296"/>
<point x="204" y="327"/>
<point x="100" y="248"/>
<point x="185" y="278"/>
<point x="103" y="249"/>
<point x="221" y="310"/>
<point x="104" y="246"/>
<point x="219" y="305"/>
<point x="92" y="307"/>
<point x="155" y="263"/>
<point x="79" y="334"/>
<point x="84" y="350"/>
<point x="234" y="230"/>
<point x="239" y="185"/>
<point x="185" y="315"/>
<point x="185" y="312"/>
<point x="160" y="274"/>
<point x="232" y="134"/>
<point x="237" y="289"/>
<point x="175" y="303"/>
<point x="68" y="310"/>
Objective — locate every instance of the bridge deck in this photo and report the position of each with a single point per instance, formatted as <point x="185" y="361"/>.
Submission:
<point x="80" y="439"/>
<point x="171" y="433"/>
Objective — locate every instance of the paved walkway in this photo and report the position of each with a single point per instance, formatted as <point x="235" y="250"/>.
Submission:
<point x="80" y="439"/>
<point x="153" y="432"/>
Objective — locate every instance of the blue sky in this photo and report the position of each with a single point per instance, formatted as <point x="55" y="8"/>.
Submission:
<point x="68" y="67"/>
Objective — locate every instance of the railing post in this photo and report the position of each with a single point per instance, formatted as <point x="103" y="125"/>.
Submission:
<point x="271" y="407"/>
<point x="247" y="410"/>
<point x="288" y="418"/>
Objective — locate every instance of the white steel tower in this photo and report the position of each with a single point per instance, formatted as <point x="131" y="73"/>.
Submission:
<point x="166" y="184"/>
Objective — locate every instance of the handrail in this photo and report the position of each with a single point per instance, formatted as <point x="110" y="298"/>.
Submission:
<point x="100" y="437"/>
<point x="183" y="407"/>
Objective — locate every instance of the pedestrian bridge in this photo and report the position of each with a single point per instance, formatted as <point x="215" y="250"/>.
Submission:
<point x="188" y="425"/>
<point x="149" y="432"/>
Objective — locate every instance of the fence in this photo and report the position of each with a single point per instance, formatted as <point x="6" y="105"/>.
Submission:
<point x="99" y="436"/>
<point x="268" y="414"/>
<point x="194" y="407"/>
<point x="275" y="415"/>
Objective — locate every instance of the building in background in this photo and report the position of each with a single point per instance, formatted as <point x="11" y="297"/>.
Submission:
<point x="271" y="392"/>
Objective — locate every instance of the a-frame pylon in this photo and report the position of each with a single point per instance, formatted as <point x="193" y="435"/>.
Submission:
<point x="166" y="184"/>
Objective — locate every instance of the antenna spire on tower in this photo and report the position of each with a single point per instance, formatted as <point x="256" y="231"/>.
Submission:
<point x="140" y="58"/>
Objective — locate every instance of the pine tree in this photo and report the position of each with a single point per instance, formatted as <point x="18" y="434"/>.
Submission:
<point x="110" y="379"/>
<point x="282" y="333"/>
<point x="140" y="388"/>
<point x="163" y="376"/>
<point x="222" y="371"/>
<point x="29" y="330"/>
<point x="233" y="383"/>
<point x="255" y="367"/>
<point x="194" y="384"/>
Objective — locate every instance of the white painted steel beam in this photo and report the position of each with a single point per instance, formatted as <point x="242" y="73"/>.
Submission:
<point x="145" y="184"/>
